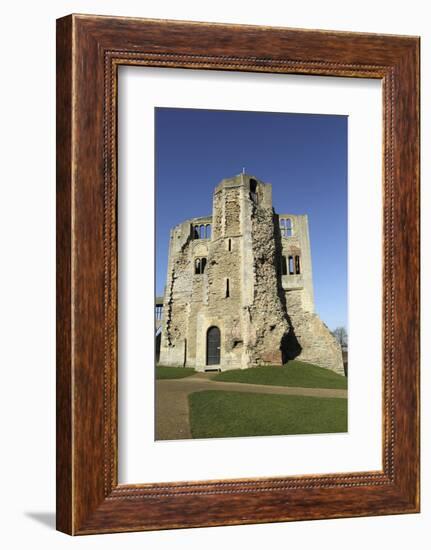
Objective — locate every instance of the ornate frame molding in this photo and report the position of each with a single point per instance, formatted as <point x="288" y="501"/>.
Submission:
<point x="89" y="498"/>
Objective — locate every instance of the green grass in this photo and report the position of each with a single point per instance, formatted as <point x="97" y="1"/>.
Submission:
<point x="166" y="373"/>
<point x="294" y="373"/>
<point x="235" y="414"/>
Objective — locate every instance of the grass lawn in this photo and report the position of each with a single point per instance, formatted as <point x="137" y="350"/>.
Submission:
<point x="234" y="414"/>
<point x="165" y="373"/>
<point x="294" y="373"/>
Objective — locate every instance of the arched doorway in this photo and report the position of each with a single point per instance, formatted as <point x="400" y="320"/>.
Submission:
<point x="213" y="346"/>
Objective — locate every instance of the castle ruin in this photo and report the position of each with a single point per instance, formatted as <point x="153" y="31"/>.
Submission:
<point x="239" y="288"/>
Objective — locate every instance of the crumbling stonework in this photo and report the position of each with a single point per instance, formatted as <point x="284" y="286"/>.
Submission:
<point x="239" y="290"/>
<point x="269" y="321"/>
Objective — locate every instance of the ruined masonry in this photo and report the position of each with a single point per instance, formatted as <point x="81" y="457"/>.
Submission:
<point x="239" y="289"/>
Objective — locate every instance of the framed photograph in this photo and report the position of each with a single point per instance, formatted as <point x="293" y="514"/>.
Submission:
<point x="237" y="274"/>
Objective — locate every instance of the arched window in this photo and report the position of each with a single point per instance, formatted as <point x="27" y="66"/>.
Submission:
<point x="202" y="232"/>
<point x="159" y="312"/>
<point x="253" y="190"/>
<point x="289" y="227"/>
<point x="291" y="270"/>
<point x="297" y="265"/>
<point x="200" y="264"/>
<point x="283" y="265"/>
<point x="208" y="231"/>
<point x="286" y="227"/>
<point x="196" y="232"/>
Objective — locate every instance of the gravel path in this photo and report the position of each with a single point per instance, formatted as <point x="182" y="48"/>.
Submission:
<point x="172" y="407"/>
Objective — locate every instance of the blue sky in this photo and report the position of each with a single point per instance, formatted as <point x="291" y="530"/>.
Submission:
<point x="304" y="157"/>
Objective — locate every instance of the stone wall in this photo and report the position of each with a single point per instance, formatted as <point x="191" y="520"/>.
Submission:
<point x="268" y="316"/>
<point x="178" y="293"/>
<point x="317" y="345"/>
<point x="224" y="278"/>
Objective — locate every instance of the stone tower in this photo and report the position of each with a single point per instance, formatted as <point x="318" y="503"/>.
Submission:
<point x="239" y="289"/>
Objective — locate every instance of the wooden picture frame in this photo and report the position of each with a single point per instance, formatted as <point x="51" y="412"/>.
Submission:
<point x="89" y="51"/>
